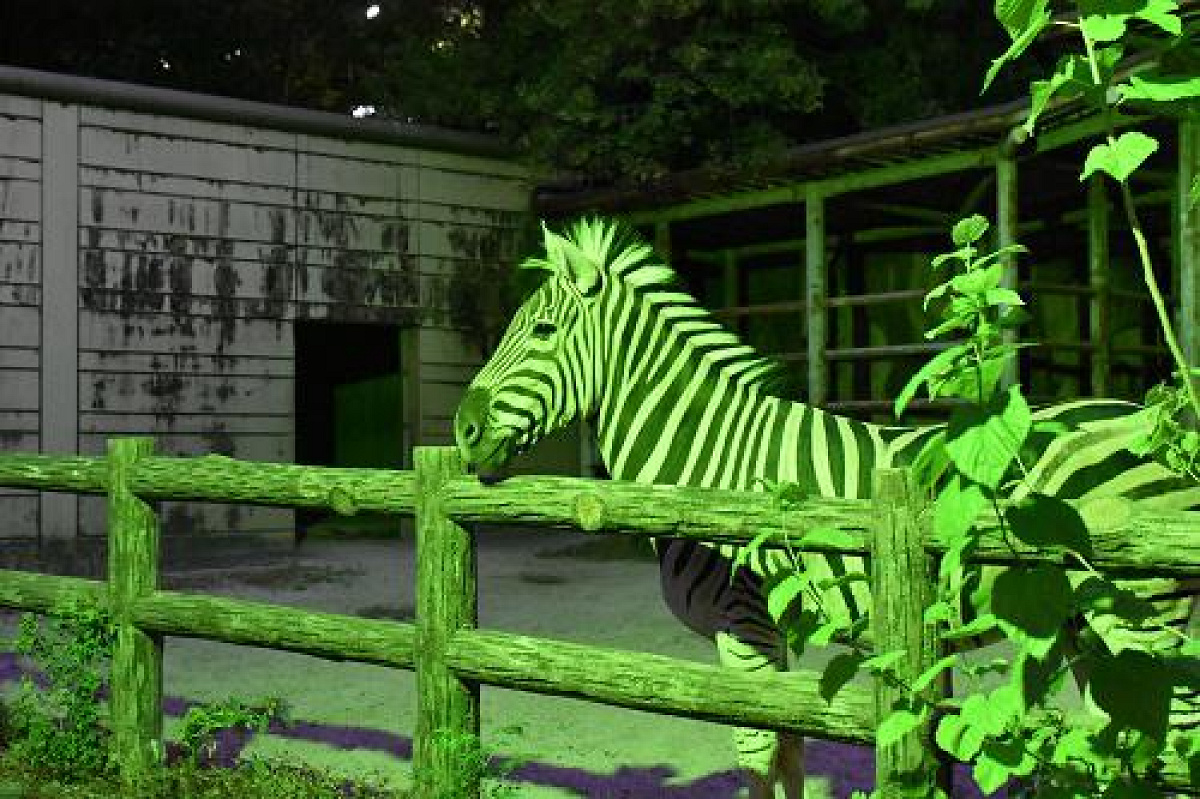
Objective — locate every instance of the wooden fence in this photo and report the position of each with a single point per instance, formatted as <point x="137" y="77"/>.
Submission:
<point x="452" y="657"/>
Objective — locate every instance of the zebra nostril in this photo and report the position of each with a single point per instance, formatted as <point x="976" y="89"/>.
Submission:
<point x="470" y="421"/>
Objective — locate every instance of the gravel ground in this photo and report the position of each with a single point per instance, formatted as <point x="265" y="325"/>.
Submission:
<point x="357" y="719"/>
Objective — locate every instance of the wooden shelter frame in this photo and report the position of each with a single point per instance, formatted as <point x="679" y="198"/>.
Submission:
<point x="992" y="139"/>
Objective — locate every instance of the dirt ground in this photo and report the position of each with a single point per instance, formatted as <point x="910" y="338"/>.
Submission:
<point x="358" y="719"/>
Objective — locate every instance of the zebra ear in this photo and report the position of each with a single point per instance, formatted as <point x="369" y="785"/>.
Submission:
<point x="570" y="261"/>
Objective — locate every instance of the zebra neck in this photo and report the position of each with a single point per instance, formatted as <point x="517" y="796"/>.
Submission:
<point x="673" y="424"/>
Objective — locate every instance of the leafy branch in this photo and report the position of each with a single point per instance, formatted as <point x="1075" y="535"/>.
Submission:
<point x="1094" y="77"/>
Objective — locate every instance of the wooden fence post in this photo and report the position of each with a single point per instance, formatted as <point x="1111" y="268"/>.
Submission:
<point x="447" y="600"/>
<point x="133" y="563"/>
<point x="902" y="577"/>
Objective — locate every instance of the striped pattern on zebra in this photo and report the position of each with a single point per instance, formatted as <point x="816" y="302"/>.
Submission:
<point x="676" y="399"/>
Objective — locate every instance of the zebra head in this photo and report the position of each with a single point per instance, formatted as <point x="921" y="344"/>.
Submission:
<point x="547" y="368"/>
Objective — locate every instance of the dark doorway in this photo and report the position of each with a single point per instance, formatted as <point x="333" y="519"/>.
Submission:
<point x="347" y="399"/>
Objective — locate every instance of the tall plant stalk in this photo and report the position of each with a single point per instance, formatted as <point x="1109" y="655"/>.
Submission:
<point x="1139" y="238"/>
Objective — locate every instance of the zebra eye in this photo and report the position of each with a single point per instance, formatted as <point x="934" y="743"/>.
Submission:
<point x="542" y="330"/>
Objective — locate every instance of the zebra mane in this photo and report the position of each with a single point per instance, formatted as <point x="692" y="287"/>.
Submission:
<point x="617" y="252"/>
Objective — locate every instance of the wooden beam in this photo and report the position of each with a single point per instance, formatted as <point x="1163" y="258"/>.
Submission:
<point x="815" y="295"/>
<point x="1141" y="200"/>
<point x="447" y="601"/>
<point x="1006" y="234"/>
<point x="975" y="196"/>
<point x="1098" y="302"/>
<point x="902" y="578"/>
<point x="979" y="158"/>
<point x="662" y="238"/>
<point x="137" y="657"/>
<point x="731" y="287"/>
<point x="887" y="351"/>
<point x="1188" y="235"/>
<point x="933" y="215"/>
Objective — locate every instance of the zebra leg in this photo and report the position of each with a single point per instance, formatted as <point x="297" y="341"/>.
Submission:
<point x="765" y="758"/>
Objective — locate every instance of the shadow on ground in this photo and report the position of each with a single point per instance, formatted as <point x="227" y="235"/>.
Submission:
<point x="846" y="768"/>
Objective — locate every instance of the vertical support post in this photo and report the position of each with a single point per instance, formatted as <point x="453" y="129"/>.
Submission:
<point x="447" y="600"/>
<point x="59" y="412"/>
<point x="133" y="567"/>
<point x="1098" y="302"/>
<point x="732" y="288"/>
<point x="410" y="391"/>
<point x="662" y="239"/>
<point x="902" y="587"/>
<point x="815" y="294"/>
<point x="1188" y="233"/>
<point x="1006" y="234"/>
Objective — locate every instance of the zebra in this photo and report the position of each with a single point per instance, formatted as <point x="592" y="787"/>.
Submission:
<point x="674" y="398"/>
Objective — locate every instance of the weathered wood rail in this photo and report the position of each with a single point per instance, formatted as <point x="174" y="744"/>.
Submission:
<point x="452" y="658"/>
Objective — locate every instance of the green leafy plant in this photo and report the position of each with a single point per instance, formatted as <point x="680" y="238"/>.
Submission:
<point x="63" y="729"/>
<point x="1020" y="723"/>
<point x="1160" y="78"/>
<point x="1022" y="728"/>
<point x="476" y="759"/>
<point x="198" y="734"/>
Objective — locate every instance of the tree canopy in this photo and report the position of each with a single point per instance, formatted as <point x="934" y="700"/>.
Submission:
<point x="615" y="91"/>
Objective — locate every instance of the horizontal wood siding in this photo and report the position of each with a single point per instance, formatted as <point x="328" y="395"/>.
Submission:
<point x="202" y="243"/>
<point x="20" y="300"/>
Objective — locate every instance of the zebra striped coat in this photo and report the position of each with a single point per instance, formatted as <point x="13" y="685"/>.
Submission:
<point x="675" y="399"/>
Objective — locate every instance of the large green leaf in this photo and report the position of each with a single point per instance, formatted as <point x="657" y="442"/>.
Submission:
<point x="783" y="595"/>
<point x="930" y="674"/>
<point x="885" y="662"/>
<point x="983" y="442"/>
<point x="1032" y="603"/>
<point x="973" y="382"/>
<point x="1163" y="13"/>
<point x="1122" y="157"/>
<point x="1024" y="20"/>
<point x="969" y="230"/>
<point x="1102" y="596"/>
<point x="1042" y="91"/>
<point x="898" y="724"/>
<point x="840" y="670"/>
<point x="959" y="737"/>
<point x="1048" y="522"/>
<point x="1161" y="88"/>
<point x="978" y="281"/>
<point x="1144" y="709"/>
<point x="977" y="626"/>
<point x="1104" y="27"/>
<point x="1017" y="15"/>
<point x="957" y="506"/>
<point x="1000" y="761"/>
<point x="939" y="363"/>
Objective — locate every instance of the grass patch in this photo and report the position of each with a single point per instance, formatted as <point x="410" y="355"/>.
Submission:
<point x="55" y="742"/>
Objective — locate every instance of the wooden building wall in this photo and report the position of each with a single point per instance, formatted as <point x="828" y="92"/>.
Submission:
<point x="152" y="269"/>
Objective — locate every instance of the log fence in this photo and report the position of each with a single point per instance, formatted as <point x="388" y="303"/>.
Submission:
<point x="452" y="658"/>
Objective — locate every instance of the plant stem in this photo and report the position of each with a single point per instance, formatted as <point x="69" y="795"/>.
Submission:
<point x="1164" y="318"/>
<point x="1139" y="238"/>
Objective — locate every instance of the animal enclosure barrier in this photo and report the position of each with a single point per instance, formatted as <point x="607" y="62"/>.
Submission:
<point x="453" y="658"/>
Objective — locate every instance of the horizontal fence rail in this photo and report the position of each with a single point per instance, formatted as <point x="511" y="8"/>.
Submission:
<point x="452" y="658"/>
<point x="1126" y="538"/>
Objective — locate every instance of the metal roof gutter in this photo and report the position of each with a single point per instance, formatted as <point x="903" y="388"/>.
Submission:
<point x="156" y="100"/>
